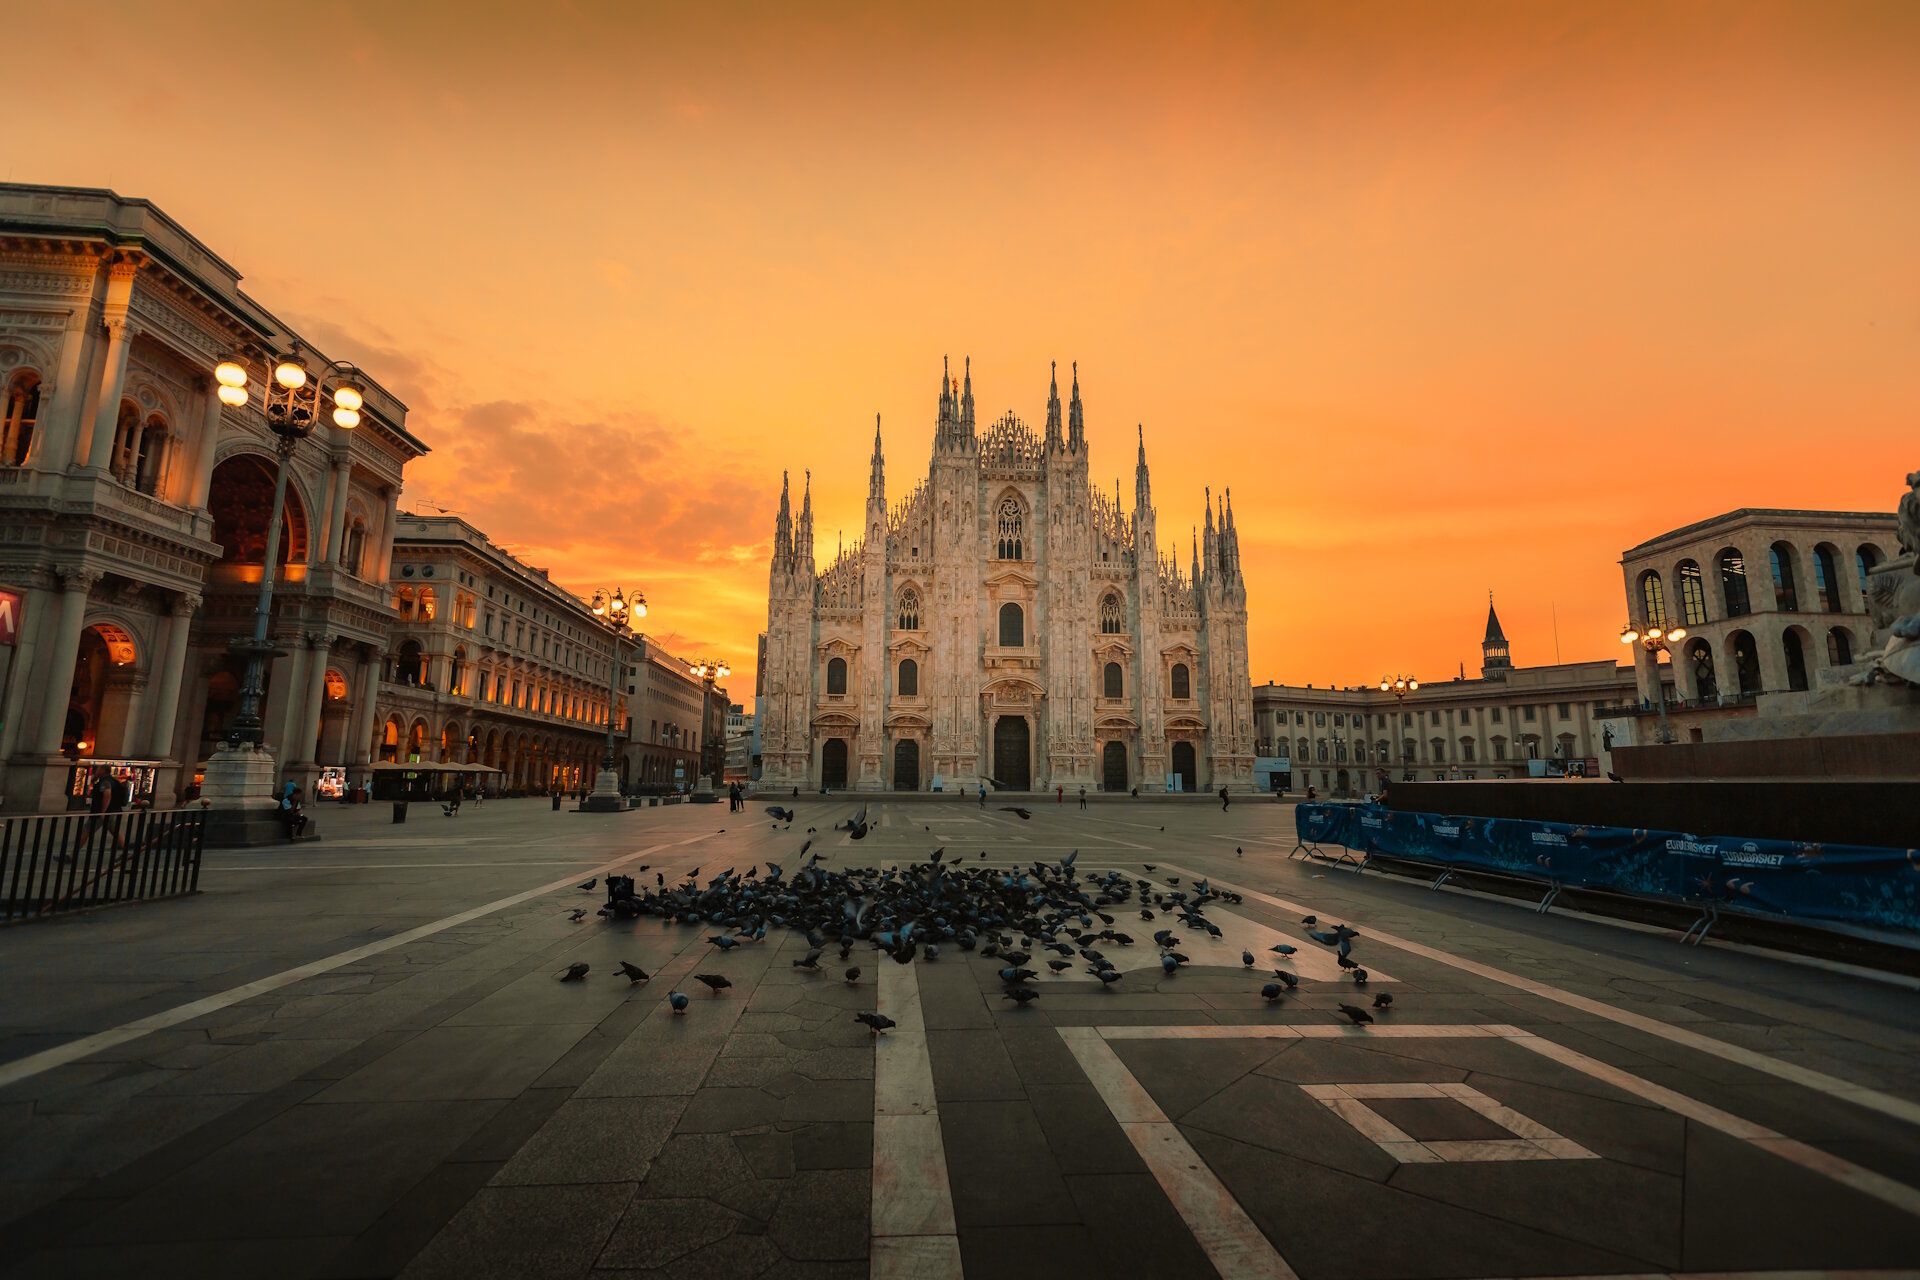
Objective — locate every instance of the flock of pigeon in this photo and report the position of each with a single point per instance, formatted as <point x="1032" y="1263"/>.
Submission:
<point x="911" y="912"/>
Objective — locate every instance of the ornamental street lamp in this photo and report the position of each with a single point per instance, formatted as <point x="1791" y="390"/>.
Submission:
<point x="1656" y="640"/>
<point x="709" y="670"/>
<point x="293" y="401"/>
<point x="619" y="613"/>
<point x="1400" y="687"/>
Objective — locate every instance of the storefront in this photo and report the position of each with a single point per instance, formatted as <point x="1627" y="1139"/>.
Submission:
<point x="138" y="775"/>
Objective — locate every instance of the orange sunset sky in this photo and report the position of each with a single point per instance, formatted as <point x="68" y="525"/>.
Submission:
<point x="1456" y="297"/>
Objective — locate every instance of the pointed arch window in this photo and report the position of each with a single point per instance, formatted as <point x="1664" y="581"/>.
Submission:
<point x="1009" y="531"/>
<point x="1111" y="620"/>
<point x="909" y="619"/>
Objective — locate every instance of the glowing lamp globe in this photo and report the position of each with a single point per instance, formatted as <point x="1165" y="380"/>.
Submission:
<point x="290" y="374"/>
<point x="232" y="395"/>
<point x="229" y="373"/>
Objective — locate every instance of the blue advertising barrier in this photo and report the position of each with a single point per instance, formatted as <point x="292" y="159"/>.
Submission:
<point x="1820" y="883"/>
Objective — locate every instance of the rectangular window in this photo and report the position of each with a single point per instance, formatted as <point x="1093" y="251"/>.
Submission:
<point x="1529" y="715"/>
<point x="1566" y="710"/>
<point x="1496" y="715"/>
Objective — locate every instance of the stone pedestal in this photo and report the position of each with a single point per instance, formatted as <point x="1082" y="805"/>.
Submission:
<point x="238" y="794"/>
<point x="605" y="797"/>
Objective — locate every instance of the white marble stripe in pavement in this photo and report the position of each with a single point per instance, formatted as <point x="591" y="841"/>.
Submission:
<point x="73" y="1050"/>
<point x="1845" y="1172"/>
<point x="1238" y="1249"/>
<point x="913" y="1232"/>
<point x="1903" y="1109"/>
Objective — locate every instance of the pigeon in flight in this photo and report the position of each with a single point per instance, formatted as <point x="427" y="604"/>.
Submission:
<point x="875" y="1022"/>
<point x="634" y="972"/>
<point x="1015" y="809"/>
<point x="784" y="815"/>
<point x="1356" y="1016"/>
<point x="575" y="971"/>
<point x="715" y="983"/>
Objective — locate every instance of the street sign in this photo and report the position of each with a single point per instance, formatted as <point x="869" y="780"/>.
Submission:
<point x="9" y="617"/>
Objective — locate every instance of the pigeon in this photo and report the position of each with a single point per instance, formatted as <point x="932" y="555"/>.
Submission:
<point x="634" y="972"/>
<point x="784" y="815"/>
<point x="1020" y="994"/>
<point x="875" y="1022"/>
<point x="577" y="914"/>
<point x="1168" y="965"/>
<point x="853" y="975"/>
<point x="929" y="952"/>
<point x="723" y="941"/>
<point x="1359" y="977"/>
<point x="1059" y="966"/>
<point x="1015" y="809"/>
<point x="1013" y="975"/>
<point x="1271" y="992"/>
<point x="1324" y="937"/>
<point x="575" y="971"/>
<point x="1246" y="958"/>
<point x="715" y="983"/>
<point x="1289" y="980"/>
<point x="1345" y="962"/>
<point x="1238" y="852"/>
<point x="678" y="999"/>
<point x="1309" y="920"/>
<point x="1107" y="976"/>
<point x="1384" y="1000"/>
<point x="1614" y="777"/>
<point x="810" y="961"/>
<point x="1283" y="949"/>
<point x="1150" y="867"/>
<point x="588" y="887"/>
<point x="1356" y="1016"/>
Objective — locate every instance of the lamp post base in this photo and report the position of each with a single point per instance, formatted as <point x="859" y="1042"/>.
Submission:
<point x="703" y="792"/>
<point x="605" y="797"/>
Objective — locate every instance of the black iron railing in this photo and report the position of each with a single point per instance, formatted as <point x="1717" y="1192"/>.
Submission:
<point x="63" y="862"/>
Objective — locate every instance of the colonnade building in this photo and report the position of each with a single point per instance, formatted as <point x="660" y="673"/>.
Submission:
<point x="1338" y="739"/>
<point x="1770" y="600"/>
<point x="491" y="663"/>
<point x="134" y="508"/>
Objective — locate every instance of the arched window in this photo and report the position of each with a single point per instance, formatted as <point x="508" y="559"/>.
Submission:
<point x="1826" y="579"/>
<point x="1693" y="594"/>
<point x="1653" y="599"/>
<point x="1796" y="655"/>
<point x="17" y="419"/>
<point x="353" y="550"/>
<point x="1706" y="684"/>
<point x="126" y="443"/>
<point x="836" y="676"/>
<point x="407" y="666"/>
<point x="403" y="603"/>
<point x="1733" y="583"/>
<point x="1864" y="561"/>
<point x="909" y="610"/>
<point x="1839" y="648"/>
<point x="1012" y="627"/>
<point x="1009" y="544"/>
<point x="1746" y="663"/>
<point x="1786" y="596"/>
<point x="457" y="677"/>
<point x="427" y="604"/>
<point x="909" y="678"/>
<point x="1182" y="684"/>
<point x="1110" y="618"/>
<point x="148" y="466"/>
<point x="1113" y="681"/>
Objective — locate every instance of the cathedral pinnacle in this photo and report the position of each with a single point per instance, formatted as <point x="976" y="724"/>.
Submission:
<point x="966" y="399"/>
<point x="1053" y="407"/>
<point x="1076" y="417"/>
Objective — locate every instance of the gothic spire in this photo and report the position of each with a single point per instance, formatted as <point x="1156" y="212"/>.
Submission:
<point x="877" y="481"/>
<point x="1142" y="487"/>
<point x="1076" y="417"/>
<point x="966" y="399"/>
<point x="1053" y="408"/>
<point x="783" y="523"/>
<point x="803" y="536"/>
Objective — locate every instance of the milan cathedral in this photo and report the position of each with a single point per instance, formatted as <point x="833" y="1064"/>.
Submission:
<point x="1006" y="621"/>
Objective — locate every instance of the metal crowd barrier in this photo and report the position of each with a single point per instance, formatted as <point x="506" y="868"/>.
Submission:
<point x="67" y="861"/>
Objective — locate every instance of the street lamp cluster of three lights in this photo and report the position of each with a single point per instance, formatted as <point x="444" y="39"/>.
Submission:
<point x="284" y="399"/>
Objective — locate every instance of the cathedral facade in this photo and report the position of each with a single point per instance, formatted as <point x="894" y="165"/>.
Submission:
<point x="1006" y="621"/>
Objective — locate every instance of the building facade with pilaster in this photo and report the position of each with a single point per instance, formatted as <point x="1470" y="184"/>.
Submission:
<point x="134" y="509"/>
<point x="1005" y="620"/>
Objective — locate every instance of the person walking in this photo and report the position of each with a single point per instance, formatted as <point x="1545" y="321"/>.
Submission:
<point x="1223" y="799"/>
<point x="1083" y="797"/>
<point x="983" y="795"/>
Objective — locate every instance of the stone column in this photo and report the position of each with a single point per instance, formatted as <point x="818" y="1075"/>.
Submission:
<point x="75" y="584"/>
<point x="36" y="596"/>
<point x="209" y="446"/>
<point x="63" y="398"/>
<point x="304" y="751"/>
<point x="337" y="516"/>
<point x="166" y="704"/>
<point x="113" y="380"/>
<point x="359" y="751"/>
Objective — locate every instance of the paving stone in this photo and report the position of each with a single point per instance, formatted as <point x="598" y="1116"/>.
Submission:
<point x="598" y="1140"/>
<point x="1133" y="1229"/>
<point x="833" y="1146"/>
<point x="823" y="1216"/>
<point x="768" y="1153"/>
<point x="724" y="1110"/>
<point x="524" y="1233"/>
<point x="696" y="1164"/>
<point x="656" y="1232"/>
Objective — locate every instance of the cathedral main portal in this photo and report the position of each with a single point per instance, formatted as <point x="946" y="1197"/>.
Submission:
<point x="1012" y="753"/>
